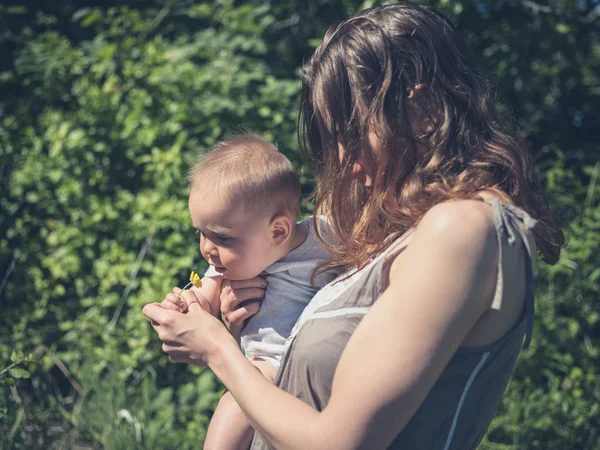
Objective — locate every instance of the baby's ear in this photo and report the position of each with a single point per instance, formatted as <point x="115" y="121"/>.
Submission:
<point x="281" y="229"/>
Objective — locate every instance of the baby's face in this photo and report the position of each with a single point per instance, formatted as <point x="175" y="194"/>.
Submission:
<point x="237" y="243"/>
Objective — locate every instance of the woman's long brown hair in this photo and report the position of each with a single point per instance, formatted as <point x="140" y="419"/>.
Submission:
<point x="404" y="74"/>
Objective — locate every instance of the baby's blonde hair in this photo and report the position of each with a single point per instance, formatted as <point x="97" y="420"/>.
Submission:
<point x="251" y="172"/>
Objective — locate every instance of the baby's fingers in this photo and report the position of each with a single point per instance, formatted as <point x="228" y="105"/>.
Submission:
<point x="243" y="312"/>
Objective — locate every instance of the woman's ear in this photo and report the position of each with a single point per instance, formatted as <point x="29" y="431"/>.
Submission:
<point x="417" y="88"/>
<point x="281" y="229"/>
<point x="422" y="122"/>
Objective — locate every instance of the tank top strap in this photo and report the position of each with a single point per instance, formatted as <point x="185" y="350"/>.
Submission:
<point x="513" y="223"/>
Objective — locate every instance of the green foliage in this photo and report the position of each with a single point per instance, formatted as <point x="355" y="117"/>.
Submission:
<point x="95" y="152"/>
<point x="102" y="111"/>
<point x="114" y="413"/>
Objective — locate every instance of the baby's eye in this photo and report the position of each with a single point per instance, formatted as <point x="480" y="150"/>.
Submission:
<point x="223" y="238"/>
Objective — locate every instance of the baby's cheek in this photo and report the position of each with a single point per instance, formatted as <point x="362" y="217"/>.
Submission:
<point x="244" y="269"/>
<point x="233" y="264"/>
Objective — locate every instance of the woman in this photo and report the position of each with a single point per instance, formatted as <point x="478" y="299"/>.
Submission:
<point x="431" y="204"/>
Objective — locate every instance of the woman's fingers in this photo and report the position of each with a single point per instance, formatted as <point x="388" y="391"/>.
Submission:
<point x="170" y="347"/>
<point x="170" y="305"/>
<point x="154" y="312"/>
<point x="188" y="297"/>
<point x="176" y="353"/>
<point x="158" y="316"/>
<point x="188" y="338"/>
<point x="172" y="302"/>
<point x="183" y="298"/>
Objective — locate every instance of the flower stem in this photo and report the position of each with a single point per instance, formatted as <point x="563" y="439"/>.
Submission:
<point x="184" y="288"/>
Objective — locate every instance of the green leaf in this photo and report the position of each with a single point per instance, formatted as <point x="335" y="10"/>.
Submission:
<point x="17" y="372"/>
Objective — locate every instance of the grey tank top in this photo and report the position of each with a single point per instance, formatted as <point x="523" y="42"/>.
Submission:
<point x="458" y="409"/>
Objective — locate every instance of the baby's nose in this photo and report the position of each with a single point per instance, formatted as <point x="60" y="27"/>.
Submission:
<point x="208" y="248"/>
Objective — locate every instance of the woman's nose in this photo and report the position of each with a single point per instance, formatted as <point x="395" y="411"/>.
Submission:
<point x="357" y="170"/>
<point x="360" y="173"/>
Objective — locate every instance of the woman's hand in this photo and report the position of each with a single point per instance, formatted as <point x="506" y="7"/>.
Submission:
<point x="240" y="299"/>
<point x="192" y="338"/>
<point x="175" y="302"/>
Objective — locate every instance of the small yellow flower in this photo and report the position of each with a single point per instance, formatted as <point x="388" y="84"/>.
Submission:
<point x="195" y="279"/>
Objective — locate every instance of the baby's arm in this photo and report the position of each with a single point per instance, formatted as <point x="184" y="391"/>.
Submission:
<point x="208" y="297"/>
<point x="265" y="367"/>
<point x="229" y="428"/>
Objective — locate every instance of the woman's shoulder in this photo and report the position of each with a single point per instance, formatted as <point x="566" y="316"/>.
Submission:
<point x="468" y="243"/>
<point x="488" y="221"/>
<point x="459" y="223"/>
<point x="493" y="242"/>
<point x="457" y="242"/>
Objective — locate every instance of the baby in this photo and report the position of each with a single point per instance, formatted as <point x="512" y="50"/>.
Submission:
<point x="243" y="201"/>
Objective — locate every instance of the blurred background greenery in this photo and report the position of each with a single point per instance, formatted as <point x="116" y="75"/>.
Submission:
<point x="103" y="104"/>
